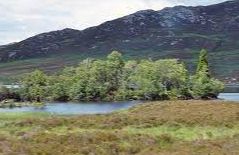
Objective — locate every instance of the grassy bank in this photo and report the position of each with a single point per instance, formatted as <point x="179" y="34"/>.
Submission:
<point x="171" y="127"/>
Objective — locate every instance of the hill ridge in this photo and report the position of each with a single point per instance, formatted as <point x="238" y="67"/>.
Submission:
<point x="173" y="32"/>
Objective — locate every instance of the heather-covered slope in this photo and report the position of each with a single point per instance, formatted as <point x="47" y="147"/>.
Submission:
<point x="162" y="128"/>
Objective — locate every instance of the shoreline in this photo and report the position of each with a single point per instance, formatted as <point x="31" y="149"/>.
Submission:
<point x="174" y="127"/>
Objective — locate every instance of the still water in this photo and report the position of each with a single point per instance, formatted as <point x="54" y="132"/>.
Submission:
<point x="76" y="108"/>
<point x="93" y="108"/>
<point x="229" y="96"/>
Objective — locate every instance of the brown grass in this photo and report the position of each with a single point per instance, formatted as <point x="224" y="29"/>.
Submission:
<point x="190" y="113"/>
<point x="109" y="134"/>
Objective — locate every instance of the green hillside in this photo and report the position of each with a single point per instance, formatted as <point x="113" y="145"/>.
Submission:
<point x="178" y="32"/>
<point x="223" y="63"/>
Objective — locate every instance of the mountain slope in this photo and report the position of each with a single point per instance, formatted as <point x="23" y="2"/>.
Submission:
<point x="178" y="32"/>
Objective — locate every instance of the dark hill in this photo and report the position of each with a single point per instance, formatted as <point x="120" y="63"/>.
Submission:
<point x="177" y="32"/>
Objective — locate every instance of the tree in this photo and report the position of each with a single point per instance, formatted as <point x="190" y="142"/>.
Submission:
<point x="126" y="91"/>
<point x="206" y="88"/>
<point x="160" y="79"/>
<point x="173" y="76"/>
<point x="58" y="87"/>
<point x="146" y="83"/>
<point x="115" y="64"/>
<point x="115" y="79"/>
<point x="203" y="86"/>
<point x="203" y="66"/>
<point x="34" y="86"/>
<point x="98" y="79"/>
<point x="80" y="81"/>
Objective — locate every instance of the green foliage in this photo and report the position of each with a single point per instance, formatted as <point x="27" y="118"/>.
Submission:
<point x="206" y="87"/>
<point x="157" y="80"/>
<point x="115" y="66"/>
<point x="90" y="81"/>
<point x="203" y="86"/>
<point x="116" y="79"/>
<point x="203" y="66"/>
<point x="34" y="86"/>
<point x="58" y="87"/>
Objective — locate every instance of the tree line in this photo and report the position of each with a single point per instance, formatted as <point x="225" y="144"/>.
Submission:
<point x="114" y="79"/>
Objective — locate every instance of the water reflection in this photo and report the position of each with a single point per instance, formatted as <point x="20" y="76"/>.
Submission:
<point x="229" y="96"/>
<point x="76" y="108"/>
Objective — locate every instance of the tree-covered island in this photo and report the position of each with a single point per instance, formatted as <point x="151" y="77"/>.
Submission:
<point x="114" y="79"/>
